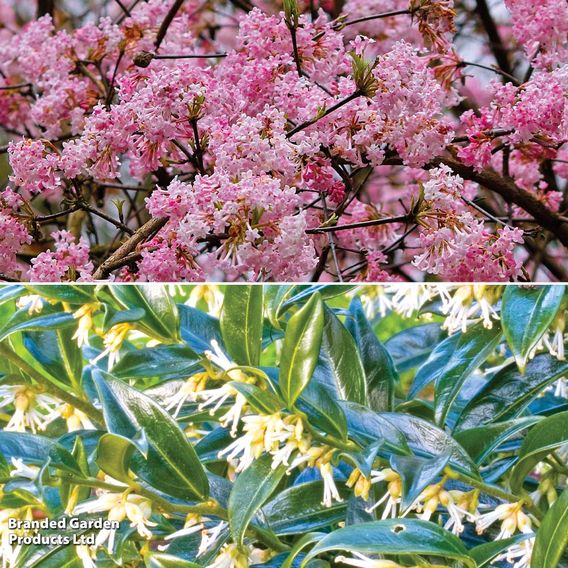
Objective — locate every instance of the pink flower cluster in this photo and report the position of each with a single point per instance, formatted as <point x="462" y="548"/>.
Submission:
<point x="250" y="131"/>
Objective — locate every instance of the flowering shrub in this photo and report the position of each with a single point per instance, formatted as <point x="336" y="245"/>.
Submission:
<point x="285" y="426"/>
<point x="381" y="140"/>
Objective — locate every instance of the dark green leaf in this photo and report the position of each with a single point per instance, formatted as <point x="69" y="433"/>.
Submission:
<point x="241" y="323"/>
<point x="198" y="329"/>
<point x="411" y="347"/>
<point x="37" y="450"/>
<point x="250" y="490"/>
<point x="301" y="348"/>
<point x="172" y="461"/>
<point x="552" y="535"/>
<point x="22" y="321"/>
<point x="482" y="441"/>
<point x="395" y="536"/>
<point x="69" y="293"/>
<point x="163" y="361"/>
<point x="299" y="509"/>
<point x="546" y="436"/>
<point x="526" y="314"/>
<point x="509" y="391"/>
<point x="113" y="456"/>
<point x="380" y="373"/>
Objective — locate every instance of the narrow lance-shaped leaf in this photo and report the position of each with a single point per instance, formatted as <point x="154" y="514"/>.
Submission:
<point x="544" y="438"/>
<point x="380" y="372"/>
<point x="301" y="348"/>
<point x="251" y="489"/>
<point x="342" y="362"/>
<point x="394" y="536"/>
<point x="172" y="461"/>
<point x="526" y="314"/>
<point x="552" y="535"/>
<point x="241" y="323"/>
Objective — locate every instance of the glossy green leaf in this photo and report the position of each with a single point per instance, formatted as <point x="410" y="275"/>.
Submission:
<point x="69" y="293"/>
<point x="552" y="535"/>
<point x="526" y="314"/>
<point x="381" y="375"/>
<point x="343" y="363"/>
<point x="161" y="318"/>
<point x="301" y="348"/>
<point x="198" y="329"/>
<point x="37" y="450"/>
<point x="395" y="536"/>
<point x="411" y="347"/>
<point x="275" y="296"/>
<point x="172" y="461"/>
<point x="164" y="361"/>
<point x="509" y="391"/>
<point x="48" y="557"/>
<point x="22" y="321"/>
<point x="545" y="437"/>
<point x="482" y="441"/>
<point x="302" y="543"/>
<point x="299" y="509"/>
<point x="241" y="323"/>
<point x="323" y="411"/>
<point x="250" y="491"/>
<point x="467" y="354"/>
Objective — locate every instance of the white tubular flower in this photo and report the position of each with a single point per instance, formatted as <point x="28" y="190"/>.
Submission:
<point x="85" y="316"/>
<point x="86" y="556"/>
<point x="460" y="506"/>
<point x="74" y="418"/>
<point x="376" y="300"/>
<point x="232" y="556"/>
<point x="470" y="301"/>
<point x="210" y="536"/>
<point x="113" y="339"/>
<point x="330" y="492"/>
<point x="189" y="391"/>
<point x="210" y="294"/>
<point x="23" y="470"/>
<point x="193" y="523"/>
<point x="393" y="495"/>
<point x="519" y="554"/>
<point x="31" y="409"/>
<point x="512" y="519"/>
<point x="360" y="483"/>
<point x="119" y="506"/>
<point x="362" y="561"/>
<point x="407" y="300"/>
<point x="33" y="302"/>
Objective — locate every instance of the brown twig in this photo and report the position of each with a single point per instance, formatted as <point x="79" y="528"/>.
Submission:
<point x="116" y="259"/>
<point x="166" y="23"/>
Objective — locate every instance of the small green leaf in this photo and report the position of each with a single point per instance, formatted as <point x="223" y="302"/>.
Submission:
<point x="301" y="348"/>
<point x="394" y="536"/>
<point x="250" y="490"/>
<point x="299" y="545"/>
<point x="526" y="314"/>
<point x="69" y="293"/>
<point x="545" y="437"/>
<point x="241" y="323"/>
<point x="552" y="535"/>
<point x="380" y="373"/>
